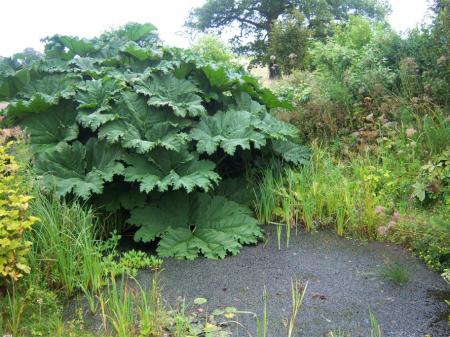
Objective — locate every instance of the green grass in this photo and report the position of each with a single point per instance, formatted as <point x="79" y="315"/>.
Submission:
<point x="396" y="273"/>
<point x="298" y="291"/>
<point x="64" y="246"/>
<point x="338" y="333"/>
<point x="319" y="194"/>
<point x="375" y="328"/>
<point x="262" y="324"/>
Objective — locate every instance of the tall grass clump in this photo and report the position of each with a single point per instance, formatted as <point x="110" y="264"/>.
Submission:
<point x="396" y="273"/>
<point x="320" y="194"/>
<point x="128" y="309"/>
<point x="436" y="132"/>
<point x="65" y="250"/>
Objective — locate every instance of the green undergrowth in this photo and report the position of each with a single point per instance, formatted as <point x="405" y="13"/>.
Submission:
<point x="374" y="106"/>
<point x="395" y="191"/>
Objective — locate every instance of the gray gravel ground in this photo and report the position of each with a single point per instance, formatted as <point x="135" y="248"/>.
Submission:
<point x="343" y="282"/>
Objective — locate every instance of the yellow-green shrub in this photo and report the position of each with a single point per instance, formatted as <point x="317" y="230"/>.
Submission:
<point x="14" y="218"/>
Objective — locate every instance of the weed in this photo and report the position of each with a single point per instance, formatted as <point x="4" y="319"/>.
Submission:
<point x="298" y="291"/>
<point x="395" y="272"/>
<point x="375" y="328"/>
<point x="16" y="305"/>
<point x="119" y="301"/>
<point x="261" y="326"/>
<point x="64" y="247"/>
<point x="337" y="333"/>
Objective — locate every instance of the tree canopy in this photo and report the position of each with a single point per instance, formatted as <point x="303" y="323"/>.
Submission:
<point x="254" y="19"/>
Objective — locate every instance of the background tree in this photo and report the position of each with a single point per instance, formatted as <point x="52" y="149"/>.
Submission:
<point x="254" y="20"/>
<point x="289" y="42"/>
<point x="211" y="48"/>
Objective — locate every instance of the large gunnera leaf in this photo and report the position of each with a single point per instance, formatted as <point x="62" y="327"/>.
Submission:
<point x="291" y="152"/>
<point x="117" y="195"/>
<point x="137" y="31"/>
<point x="12" y="81"/>
<point x="76" y="45"/>
<point x="41" y="94"/>
<point x="94" y="98"/>
<point x="51" y="129"/>
<point x="142" y="53"/>
<point x="142" y="128"/>
<point x="53" y="86"/>
<point x="98" y="94"/>
<point x="227" y="130"/>
<point x="212" y="226"/>
<point x="178" y="94"/>
<point x="37" y="103"/>
<point x="162" y="169"/>
<point x="275" y="128"/>
<point x="79" y="169"/>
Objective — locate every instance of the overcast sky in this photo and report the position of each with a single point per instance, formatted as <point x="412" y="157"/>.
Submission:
<point x="23" y="23"/>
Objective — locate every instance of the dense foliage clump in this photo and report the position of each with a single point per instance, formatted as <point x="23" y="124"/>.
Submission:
<point x="148" y="130"/>
<point x="15" y="219"/>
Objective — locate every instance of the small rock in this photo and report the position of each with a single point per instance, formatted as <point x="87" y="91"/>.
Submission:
<point x="319" y="296"/>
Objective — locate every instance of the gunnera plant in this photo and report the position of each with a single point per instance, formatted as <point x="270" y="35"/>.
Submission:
<point x="154" y="132"/>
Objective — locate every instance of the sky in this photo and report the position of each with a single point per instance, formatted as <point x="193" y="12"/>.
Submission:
<point x="23" y="23"/>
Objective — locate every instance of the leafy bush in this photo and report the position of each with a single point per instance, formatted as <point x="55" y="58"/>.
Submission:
<point x="15" y="219"/>
<point x="149" y="130"/>
<point x="211" y="48"/>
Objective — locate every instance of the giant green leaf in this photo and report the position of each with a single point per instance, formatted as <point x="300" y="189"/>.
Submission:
<point x="98" y="94"/>
<point x="53" y="86"/>
<point x="88" y="66"/>
<point x="79" y="169"/>
<point x="12" y="81"/>
<point x="51" y="129"/>
<point x="37" y="103"/>
<point x="162" y="169"/>
<point x="156" y="218"/>
<point x="291" y="152"/>
<point x="142" y="53"/>
<point x="217" y="76"/>
<point x="213" y="226"/>
<point x="274" y="128"/>
<point x="227" y="130"/>
<point x="178" y="94"/>
<point x="142" y="128"/>
<point x="136" y="31"/>
<point x="117" y="196"/>
<point x="77" y="46"/>
<point x="95" y="98"/>
<point x="40" y="95"/>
